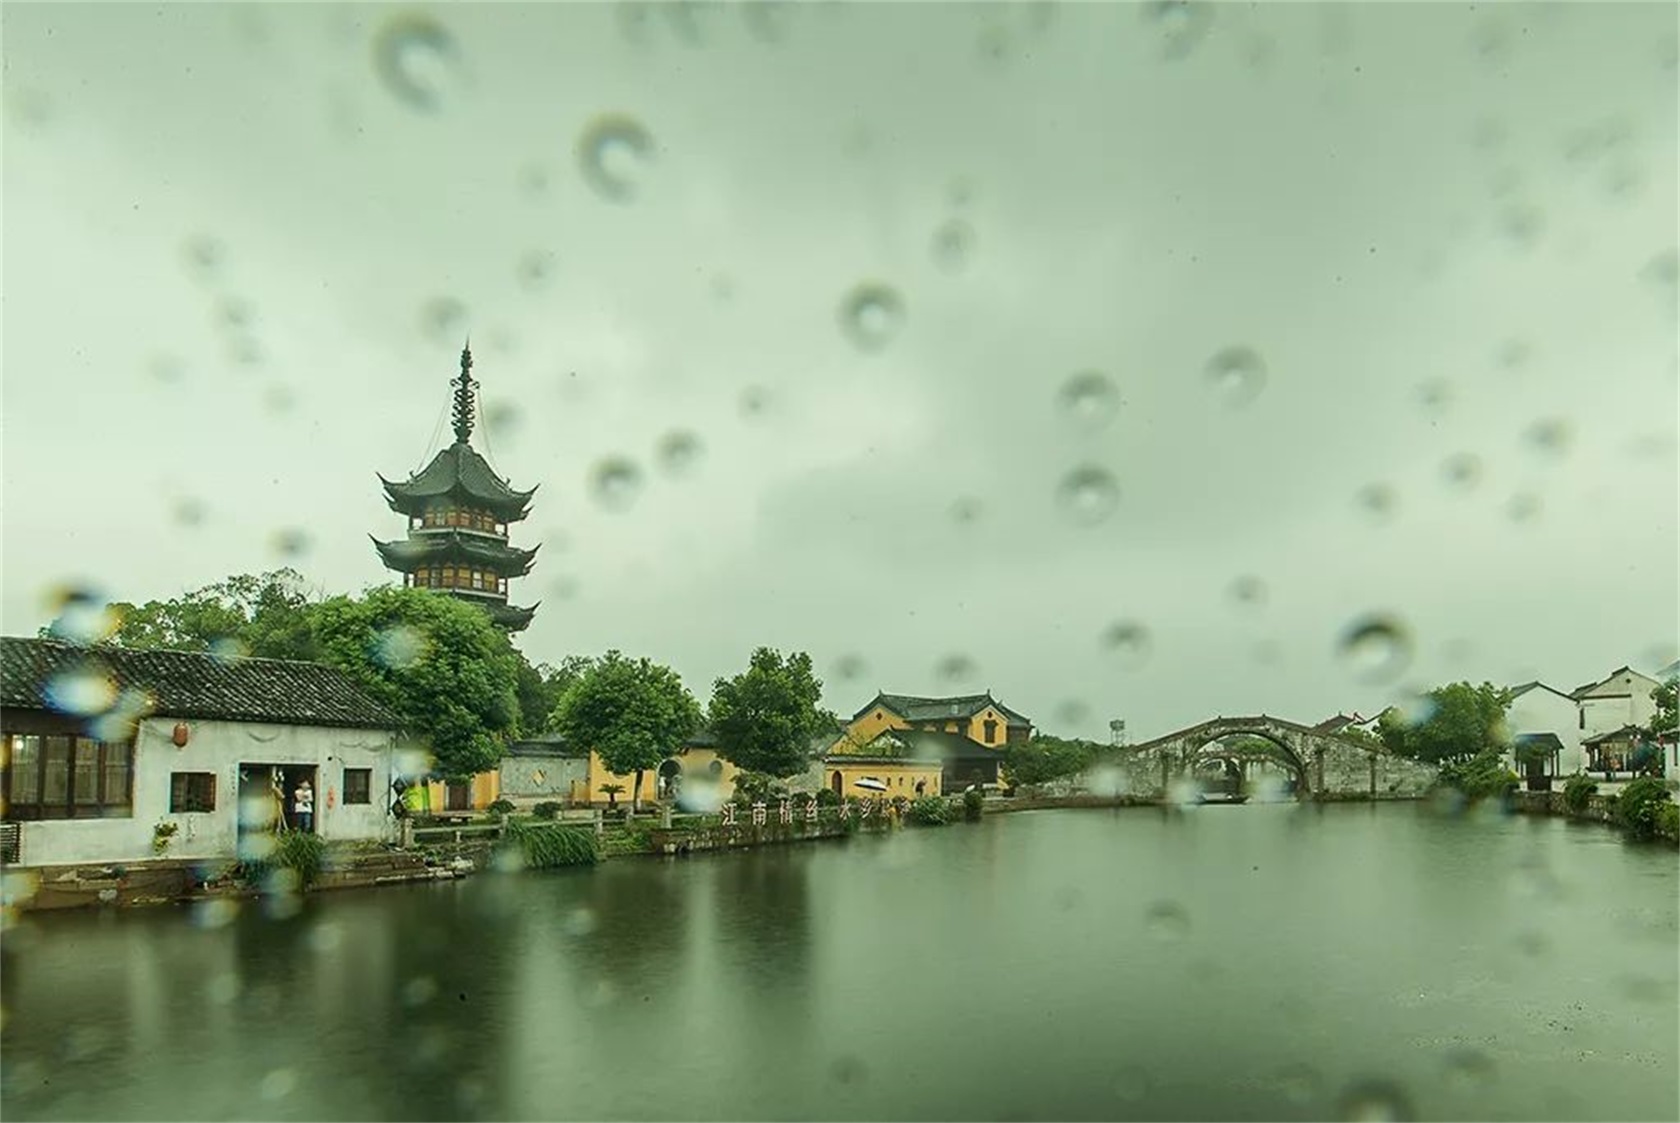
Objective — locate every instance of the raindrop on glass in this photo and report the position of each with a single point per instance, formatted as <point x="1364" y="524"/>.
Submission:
<point x="1179" y="24"/>
<point x="205" y="254"/>
<point x="399" y="647"/>
<point x="953" y="245"/>
<point x="1662" y="270"/>
<point x="534" y="268"/>
<point x="167" y="368"/>
<point x="1549" y="437"/>
<point x="1248" y="591"/>
<point x="1522" y="224"/>
<point x="966" y="510"/>
<point x="1167" y="922"/>
<point x="957" y="668"/>
<point x="871" y="315"/>
<point x="80" y="614"/>
<point x="1089" y="399"/>
<point x="1469" y="1067"/>
<point x="1377" y="500"/>
<point x="609" y="152"/>
<point x="1377" y="647"/>
<point x="412" y="54"/>
<point x="754" y="401"/>
<point x="1131" y="1083"/>
<point x="443" y="318"/>
<point x="419" y="990"/>
<point x="579" y="922"/>
<point x="1128" y="639"/>
<point x="848" y="1069"/>
<point x="277" y="1085"/>
<point x="1237" y="375"/>
<point x="279" y="398"/>
<point x="1523" y="507"/>
<point x="1462" y="470"/>
<point x="502" y="420"/>
<point x="81" y="691"/>
<point x="1300" y="1083"/>
<point x="615" y="482"/>
<point x="1435" y="395"/>
<point x="292" y="542"/>
<point x="226" y="649"/>
<point x="678" y="452"/>
<point x="1072" y="711"/>
<point x="1374" y="1101"/>
<point x="850" y="667"/>
<point x="1088" y="494"/>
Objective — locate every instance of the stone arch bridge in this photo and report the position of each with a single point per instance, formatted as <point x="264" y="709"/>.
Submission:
<point x="1324" y="765"/>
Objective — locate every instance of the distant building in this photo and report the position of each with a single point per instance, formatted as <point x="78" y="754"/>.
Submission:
<point x="1621" y="699"/>
<point x="458" y="512"/>
<point x="1544" y="718"/>
<point x="900" y="734"/>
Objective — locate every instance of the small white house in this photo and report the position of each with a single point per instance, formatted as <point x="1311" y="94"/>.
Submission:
<point x="1545" y="717"/>
<point x="1621" y="699"/>
<point x="111" y="755"/>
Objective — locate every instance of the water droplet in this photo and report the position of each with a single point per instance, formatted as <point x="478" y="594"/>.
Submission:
<point x="871" y="315"/>
<point x="81" y="614"/>
<point x="534" y="179"/>
<point x="768" y="20"/>
<point x="419" y="990"/>
<point x="1514" y="353"/>
<point x="1128" y="639"/>
<point x="167" y="369"/>
<point x="1523" y="507"/>
<point x="1179" y="24"/>
<point x="1550" y="437"/>
<point x="224" y="988"/>
<point x="292" y="542"/>
<point x="1374" y="1101"/>
<point x="1089" y="399"/>
<point x="957" y="667"/>
<point x="277" y="1085"/>
<point x="1469" y="1067"/>
<point x="1377" y="500"/>
<point x="30" y="107"/>
<point x="400" y="647"/>
<point x="953" y="245"/>
<point x="279" y="398"/>
<point x="1462" y="470"/>
<point x="1300" y="1083"/>
<point x="120" y="722"/>
<point x="679" y="452"/>
<point x="579" y="922"/>
<point x="413" y="55"/>
<point x="535" y="268"/>
<point x="966" y="510"/>
<point x="1378" y="648"/>
<point x="215" y="912"/>
<point x="615" y="482"/>
<point x="1072" y="711"/>
<point x="1237" y="374"/>
<point x="443" y="318"/>
<point x="1167" y="922"/>
<point x="1522" y="224"/>
<point x="1248" y="591"/>
<point x="1435" y="395"/>
<point x="608" y="152"/>
<point x="83" y="691"/>
<point x="960" y="192"/>
<point x="227" y="649"/>
<point x="1663" y="270"/>
<point x="502" y="420"/>
<point x="848" y="1069"/>
<point x="1088" y="494"/>
<point x="850" y="667"/>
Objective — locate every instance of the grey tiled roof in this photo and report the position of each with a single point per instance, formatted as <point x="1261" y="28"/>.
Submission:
<point x="913" y="707"/>
<point x="191" y="684"/>
<point x="452" y="547"/>
<point x="461" y="471"/>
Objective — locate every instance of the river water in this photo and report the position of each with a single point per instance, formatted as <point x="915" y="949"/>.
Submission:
<point x="1261" y="962"/>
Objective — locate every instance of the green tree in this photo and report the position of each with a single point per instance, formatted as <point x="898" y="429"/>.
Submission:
<point x="1043" y="758"/>
<point x="1461" y="722"/>
<point x="766" y="717"/>
<point x="633" y="712"/>
<point x="540" y="686"/>
<point x="1664" y="723"/>
<point x="266" y="615"/>
<point x="437" y="662"/>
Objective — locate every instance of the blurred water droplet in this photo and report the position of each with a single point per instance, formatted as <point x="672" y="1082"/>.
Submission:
<point x="223" y="989"/>
<point x="1072" y="711"/>
<point x="502" y="420"/>
<point x="1129" y="640"/>
<point x="83" y="691"/>
<point x="768" y="20"/>
<point x="1237" y="375"/>
<point x="227" y="649"/>
<point x="966" y="510"/>
<point x="1663" y="269"/>
<point x="292" y="542"/>
<point x="1374" y="1101"/>
<point x="960" y="192"/>
<point x="534" y="179"/>
<point x="80" y="614"/>
<point x="1469" y="1067"/>
<point x="120" y="722"/>
<point x="1266" y="652"/>
<point x="30" y="108"/>
<point x="953" y="245"/>
<point x="443" y="319"/>
<point x="1435" y="395"/>
<point x="1514" y="353"/>
<point x="205" y="254"/>
<point x="1089" y="399"/>
<point x="1179" y="24"/>
<point x="994" y="44"/>
<point x="754" y="401"/>
<point x="957" y="667"/>
<point x="564" y="588"/>
<point x="850" y="667"/>
<point x="579" y="922"/>
<point x="400" y="647"/>
<point x="1523" y="507"/>
<point x="534" y="268"/>
<point x="848" y="1069"/>
<point x="1248" y="591"/>
<point x="1462" y="470"/>
<point x="215" y="912"/>
<point x="1167" y="922"/>
<point x="1522" y="224"/>
<point x="1549" y="437"/>
<point x="1532" y="944"/>
<point x="1088" y="494"/>
<point x="167" y="369"/>
<point x="414" y="55"/>
<point x="679" y="452"/>
<point x="279" y="398"/>
<point x="419" y="990"/>
<point x="1377" y="500"/>
<point x="1377" y="647"/>
<point x="1300" y="1083"/>
<point x="871" y="315"/>
<point x="277" y="1085"/>
<point x="609" y="153"/>
<point x="615" y="483"/>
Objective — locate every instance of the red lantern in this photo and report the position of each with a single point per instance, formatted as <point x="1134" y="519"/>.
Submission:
<point x="180" y="735"/>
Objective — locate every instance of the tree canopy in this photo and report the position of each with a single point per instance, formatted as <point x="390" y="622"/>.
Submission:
<point x="633" y="712"/>
<point x="1458" y="722"/>
<point x="1664" y="722"/>
<point x="265" y="615"/>
<point x="540" y="687"/>
<point x="766" y="717"/>
<point x="1042" y="758"/>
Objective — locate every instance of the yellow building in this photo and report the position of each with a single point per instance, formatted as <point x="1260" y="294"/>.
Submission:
<point x="963" y="735"/>
<point x="436" y="796"/>
<point x="911" y="779"/>
<point x="698" y="758"/>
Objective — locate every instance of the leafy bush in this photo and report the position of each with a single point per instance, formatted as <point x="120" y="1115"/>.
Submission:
<point x="757" y="787"/>
<point x="545" y="846"/>
<point x="1483" y="776"/>
<point x="502" y="807"/>
<point x="302" y="852"/>
<point x="828" y="797"/>
<point x="931" y="811"/>
<point x="547" y="809"/>
<point x="974" y="804"/>
<point x="1668" y="821"/>
<point x="1639" y="809"/>
<point x="1577" y="791"/>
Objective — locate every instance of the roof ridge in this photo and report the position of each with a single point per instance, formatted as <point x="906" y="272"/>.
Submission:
<point x="126" y="650"/>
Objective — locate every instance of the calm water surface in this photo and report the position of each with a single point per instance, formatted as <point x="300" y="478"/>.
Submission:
<point x="1260" y="961"/>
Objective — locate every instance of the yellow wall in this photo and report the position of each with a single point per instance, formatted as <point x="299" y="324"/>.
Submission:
<point x="976" y="730"/>
<point x="878" y="720"/>
<point x="486" y="789"/>
<point x="899" y="776"/>
<point x="695" y="762"/>
<point x="868" y="727"/>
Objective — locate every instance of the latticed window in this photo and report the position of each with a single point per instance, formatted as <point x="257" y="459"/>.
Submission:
<point x="66" y="777"/>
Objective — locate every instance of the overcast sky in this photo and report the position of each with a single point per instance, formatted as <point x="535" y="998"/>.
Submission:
<point x="1435" y="242"/>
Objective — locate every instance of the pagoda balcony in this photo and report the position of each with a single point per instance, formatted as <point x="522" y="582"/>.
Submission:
<point x="500" y="534"/>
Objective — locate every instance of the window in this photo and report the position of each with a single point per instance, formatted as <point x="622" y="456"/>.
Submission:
<point x="65" y="777"/>
<point x="1583" y="717"/>
<point x="991" y="732"/>
<point x="358" y="785"/>
<point x="192" y="791"/>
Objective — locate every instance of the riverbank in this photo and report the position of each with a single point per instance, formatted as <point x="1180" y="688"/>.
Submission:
<point x="1598" y="809"/>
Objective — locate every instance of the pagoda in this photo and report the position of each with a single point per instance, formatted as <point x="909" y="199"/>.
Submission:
<point x="458" y="512"/>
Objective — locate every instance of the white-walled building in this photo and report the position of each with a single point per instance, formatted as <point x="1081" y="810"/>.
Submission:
<point x="1536" y="711"/>
<point x="104" y="750"/>
<point x="1621" y="699"/>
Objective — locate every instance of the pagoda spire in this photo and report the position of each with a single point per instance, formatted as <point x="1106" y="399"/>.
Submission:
<point x="463" y="413"/>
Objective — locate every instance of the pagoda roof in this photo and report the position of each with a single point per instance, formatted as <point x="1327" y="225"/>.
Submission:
<point x="458" y="472"/>
<point x="510" y="616"/>
<point x="452" y="547"/>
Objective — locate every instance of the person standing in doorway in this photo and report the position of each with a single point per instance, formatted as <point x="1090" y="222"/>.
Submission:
<point x="303" y="806"/>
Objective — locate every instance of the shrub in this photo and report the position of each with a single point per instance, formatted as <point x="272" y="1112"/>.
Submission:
<point x="302" y="852"/>
<point x="931" y="811"/>
<point x="828" y="797"/>
<point x="1577" y="791"/>
<point x="547" y="809"/>
<point x="544" y="846"/>
<point x="1668" y="821"/>
<point x="1640" y="807"/>
<point x="974" y="804"/>
<point x="502" y="807"/>
<point x="1483" y="776"/>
